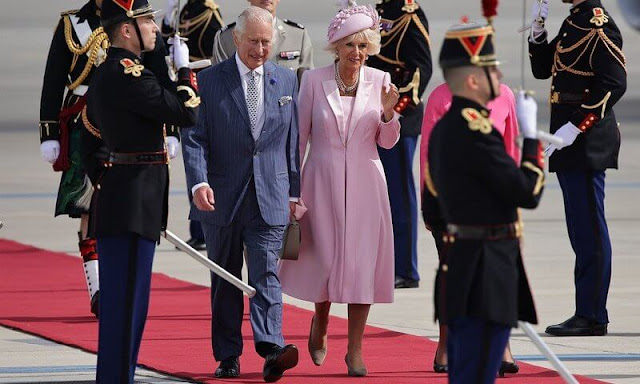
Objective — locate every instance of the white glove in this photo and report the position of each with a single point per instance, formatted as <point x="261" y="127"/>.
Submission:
<point x="567" y="133"/>
<point x="173" y="146"/>
<point x="179" y="52"/>
<point x="50" y="150"/>
<point x="527" y="109"/>
<point x="539" y="13"/>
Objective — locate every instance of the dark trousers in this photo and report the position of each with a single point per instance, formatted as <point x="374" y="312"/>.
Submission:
<point x="475" y="349"/>
<point x="225" y="247"/>
<point x="583" y="194"/>
<point x="398" y="168"/>
<point x="125" y="281"/>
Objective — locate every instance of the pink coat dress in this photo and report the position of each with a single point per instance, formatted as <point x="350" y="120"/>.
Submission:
<point x="503" y="115"/>
<point x="346" y="253"/>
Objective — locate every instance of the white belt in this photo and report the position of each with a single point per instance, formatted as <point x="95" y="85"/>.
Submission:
<point x="80" y="90"/>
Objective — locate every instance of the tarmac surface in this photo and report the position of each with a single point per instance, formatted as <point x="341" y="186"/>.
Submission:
<point x="28" y="189"/>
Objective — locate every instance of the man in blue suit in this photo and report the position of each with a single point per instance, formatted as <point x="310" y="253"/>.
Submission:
<point x="243" y="168"/>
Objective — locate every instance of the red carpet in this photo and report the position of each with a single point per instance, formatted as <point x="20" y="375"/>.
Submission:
<point x="43" y="293"/>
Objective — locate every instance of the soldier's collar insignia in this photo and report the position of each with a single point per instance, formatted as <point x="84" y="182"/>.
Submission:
<point x="599" y="17"/>
<point x="477" y="121"/>
<point x="132" y="67"/>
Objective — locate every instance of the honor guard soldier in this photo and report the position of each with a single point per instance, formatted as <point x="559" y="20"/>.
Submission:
<point x="198" y="21"/>
<point x="129" y="106"/>
<point x="473" y="189"/>
<point x="291" y="47"/>
<point x="588" y="71"/>
<point x="78" y="47"/>
<point x="406" y="55"/>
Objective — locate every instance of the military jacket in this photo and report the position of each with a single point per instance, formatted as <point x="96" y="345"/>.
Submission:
<point x="472" y="181"/>
<point x="588" y="71"/>
<point x="406" y="54"/>
<point x="77" y="48"/>
<point x="128" y="104"/>
<point x="199" y="21"/>
<point x="291" y="49"/>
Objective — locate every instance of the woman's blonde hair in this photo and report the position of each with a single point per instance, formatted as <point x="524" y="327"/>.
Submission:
<point x="372" y="37"/>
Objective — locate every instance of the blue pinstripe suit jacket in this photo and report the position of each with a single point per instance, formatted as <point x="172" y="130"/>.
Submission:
<point x="220" y="150"/>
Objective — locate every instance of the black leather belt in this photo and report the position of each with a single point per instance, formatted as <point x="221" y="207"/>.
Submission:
<point x="138" y="157"/>
<point x="478" y="232"/>
<point x="568" y="98"/>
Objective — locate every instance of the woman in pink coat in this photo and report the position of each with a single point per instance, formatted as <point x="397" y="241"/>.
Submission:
<point x="346" y="254"/>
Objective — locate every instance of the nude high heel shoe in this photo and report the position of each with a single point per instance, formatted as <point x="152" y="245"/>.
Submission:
<point x="352" y="371"/>
<point x="317" y="354"/>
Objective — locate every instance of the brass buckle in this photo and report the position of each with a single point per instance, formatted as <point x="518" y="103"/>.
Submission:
<point x="554" y="98"/>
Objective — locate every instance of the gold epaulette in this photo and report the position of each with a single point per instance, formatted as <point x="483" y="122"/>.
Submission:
<point x="69" y="12"/>
<point x="477" y="121"/>
<point x="211" y="4"/>
<point x="97" y="43"/>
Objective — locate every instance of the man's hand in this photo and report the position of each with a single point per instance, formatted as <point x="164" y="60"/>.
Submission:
<point x="173" y="146"/>
<point x="203" y="198"/>
<point x="389" y="100"/>
<point x="179" y="52"/>
<point x="526" y="109"/>
<point x="539" y="13"/>
<point x="50" y="150"/>
<point x="292" y="207"/>
<point x="567" y="133"/>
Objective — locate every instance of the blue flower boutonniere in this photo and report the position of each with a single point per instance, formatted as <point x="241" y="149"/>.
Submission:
<point x="273" y="80"/>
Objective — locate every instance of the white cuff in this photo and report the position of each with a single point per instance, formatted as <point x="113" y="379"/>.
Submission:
<point x="294" y="199"/>
<point x="197" y="186"/>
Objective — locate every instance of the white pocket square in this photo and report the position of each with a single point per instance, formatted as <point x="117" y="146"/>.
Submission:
<point x="284" y="100"/>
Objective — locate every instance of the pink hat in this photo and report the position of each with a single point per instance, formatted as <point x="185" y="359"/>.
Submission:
<point x="351" y="20"/>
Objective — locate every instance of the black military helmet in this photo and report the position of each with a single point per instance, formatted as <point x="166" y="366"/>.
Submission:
<point x="116" y="11"/>
<point x="468" y="44"/>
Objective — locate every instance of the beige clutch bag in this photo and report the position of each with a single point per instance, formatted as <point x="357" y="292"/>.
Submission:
<point x="290" y="242"/>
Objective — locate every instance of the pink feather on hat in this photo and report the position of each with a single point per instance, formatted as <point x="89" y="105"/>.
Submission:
<point x="351" y="19"/>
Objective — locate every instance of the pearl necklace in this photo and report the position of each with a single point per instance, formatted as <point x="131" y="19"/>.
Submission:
<point x="342" y="86"/>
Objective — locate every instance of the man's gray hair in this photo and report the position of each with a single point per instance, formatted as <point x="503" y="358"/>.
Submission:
<point x="252" y="15"/>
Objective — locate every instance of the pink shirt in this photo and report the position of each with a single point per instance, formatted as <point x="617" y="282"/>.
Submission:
<point x="503" y="115"/>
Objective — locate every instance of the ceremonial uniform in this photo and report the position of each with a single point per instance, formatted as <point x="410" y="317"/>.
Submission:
<point x="291" y="47"/>
<point x="588" y="73"/>
<point x="199" y="22"/>
<point x="473" y="189"/>
<point x="406" y="55"/>
<point x="77" y="48"/>
<point x="129" y="106"/>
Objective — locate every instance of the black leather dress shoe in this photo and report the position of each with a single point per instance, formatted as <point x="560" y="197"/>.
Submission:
<point x="577" y="326"/>
<point x="406" y="283"/>
<point x="197" y="244"/>
<point x="279" y="361"/>
<point x="228" y="368"/>
<point x="508" y="367"/>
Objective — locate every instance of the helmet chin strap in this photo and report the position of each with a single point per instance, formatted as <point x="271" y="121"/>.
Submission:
<point x="142" y="48"/>
<point x="493" y="91"/>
